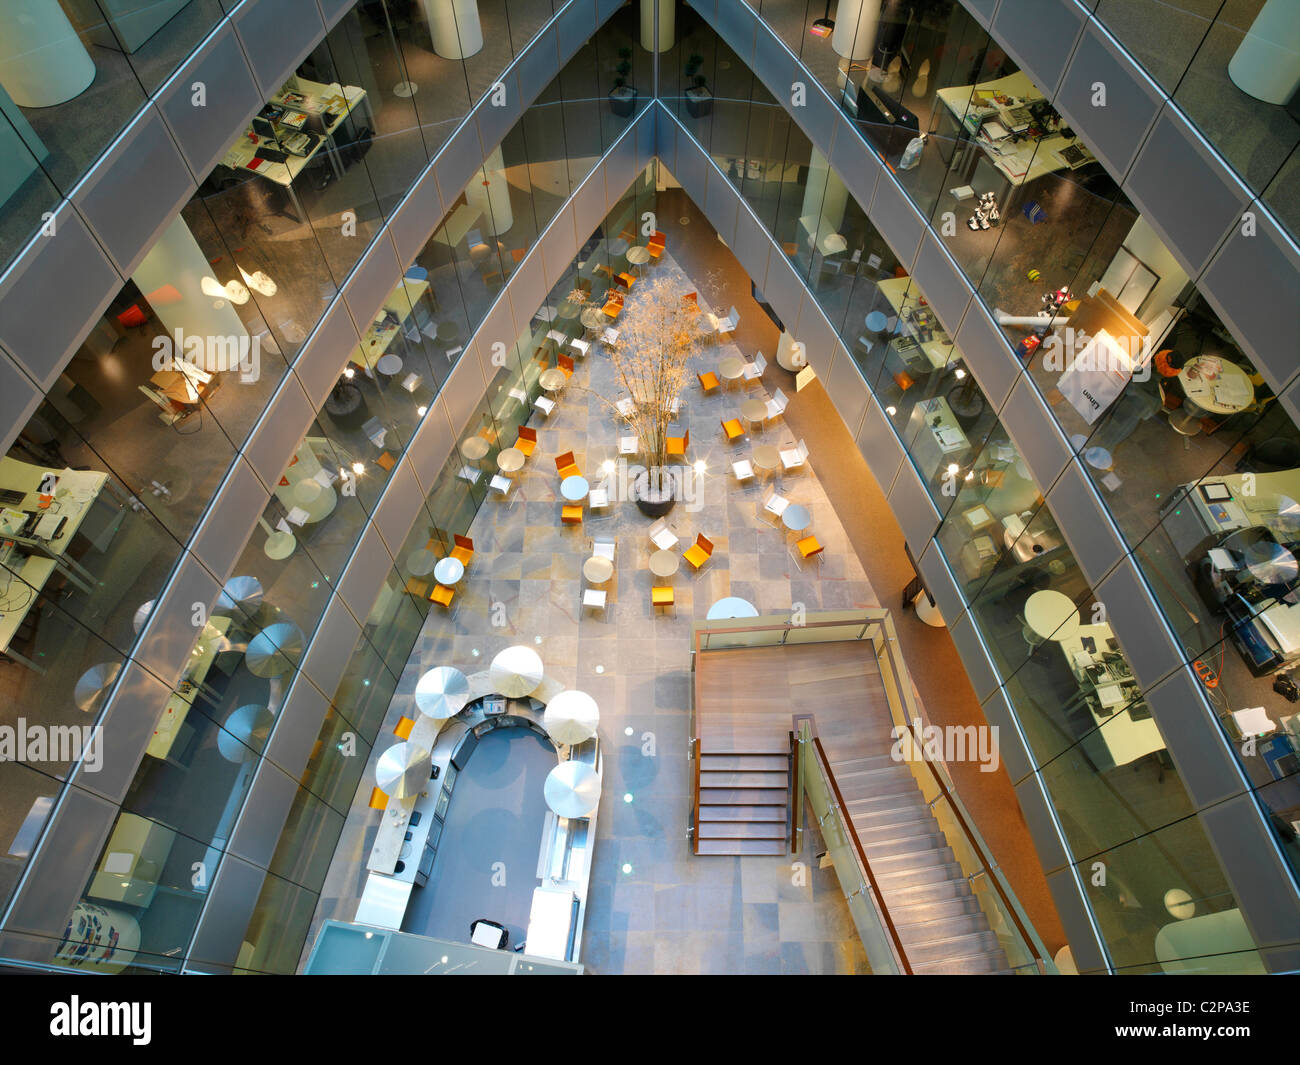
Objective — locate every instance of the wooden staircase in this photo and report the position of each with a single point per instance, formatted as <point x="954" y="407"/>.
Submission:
<point x="743" y="790"/>
<point x="939" y="920"/>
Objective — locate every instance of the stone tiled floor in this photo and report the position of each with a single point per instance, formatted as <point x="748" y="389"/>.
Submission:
<point x="654" y="906"/>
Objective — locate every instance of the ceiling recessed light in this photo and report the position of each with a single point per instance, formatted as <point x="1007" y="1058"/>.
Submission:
<point x="627" y="868"/>
<point x="627" y="796"/>
<point x="627" y="731"/>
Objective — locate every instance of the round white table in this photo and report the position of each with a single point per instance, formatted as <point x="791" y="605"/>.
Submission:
<point x="240" y="592"/>
<point x="618" y="246"/>
<point x="571" y="717"/>
<point x="389" y="363"/>
<point x="766" y="457"/>
<point x="664" y="563"/>
<point x="91" y="686"/>
<point x="593" y="318"/>
<point x="313" y="497"/>
<point x="474" y="448"/>
<point x="638" y="256"/>
<point x="510" y="460"/>
<point x="420" y="562"/>
<point x="833" y="243"/>
<point x="598" y="569"/>
<point x="279" y="546"/>
<point x="574" y="488"/>
<point x="753" y="411"/>
<point x="1096" y="457"/>
<point x="275" y="650"/>
<point x="796" y="518"/>
<point x="732" y="368"/>
<point x="516" y="671"/>
<point x="244" y="733"/>
<point x="732" y="607"/>
<point x="1202" y="392"/>
<point x="448" y="570"/>
<point x="572" y="789"/>
<point x="1049" y="615"/>
<point x="142" y="613"/>
<point x="553" y="380"/>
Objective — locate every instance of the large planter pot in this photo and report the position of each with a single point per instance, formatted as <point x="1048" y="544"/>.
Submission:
<point x="655" y="495"/>
<point x="699" y="102"/>
<point x="967" y="405"/>
<point x="347" y="407"/>
<point x="622" y="101"/>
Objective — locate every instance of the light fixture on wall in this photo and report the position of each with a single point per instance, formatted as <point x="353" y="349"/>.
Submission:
<point x="824" y="26"/>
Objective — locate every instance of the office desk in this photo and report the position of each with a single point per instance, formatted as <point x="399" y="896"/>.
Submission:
<point x="401" y="301"/>
<point x="1126" y="740"/>
<point x="1188" y="518"/>
<point x="205" y="652"/>
<point x="1033" y="158"/>
<point x="73" y="499"/>
<point x="938" y="439"/>
<point x="895" y="289"/>
<point x="243" y="152"/>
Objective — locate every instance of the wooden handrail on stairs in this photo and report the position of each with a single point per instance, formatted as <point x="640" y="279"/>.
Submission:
<point x="881" y="906"/>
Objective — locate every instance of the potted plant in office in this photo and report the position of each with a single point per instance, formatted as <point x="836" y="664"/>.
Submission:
<point x="659" y="334"/>
<point x="346" y="404"/>
<point x="965" y="400"/>
<point x="699" y="100"/>
<point x="622" y="97"/>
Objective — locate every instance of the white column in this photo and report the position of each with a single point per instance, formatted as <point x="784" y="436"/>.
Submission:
<point x="1267" y="62"/>
<point x="489" y="192"/>
<point x="454" y="24"/>
<point x="170" y="277"/>
<point x="667" y="24"/>
<point x="856" y="22"/>
<point x="42" y="61"/>
<point x="824" y="199"/>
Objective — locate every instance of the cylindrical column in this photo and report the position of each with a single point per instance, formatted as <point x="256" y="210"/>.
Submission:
<point x="824" y="198"/>
<point x="42" y="60"/>
<point x="667" y="24"/>
<point x="855" y="28"/>
<point x="208" y="330"/>
<point x="454" y="24"/>
<point x="490" y="193"/>
<point x="1267" y="62"/>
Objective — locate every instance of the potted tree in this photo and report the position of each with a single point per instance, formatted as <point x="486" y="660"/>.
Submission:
<point x="346" y="404"/>
<point x="699" y="100"/>
<point x="659" y="333"/>
<point x="622" y="97"/>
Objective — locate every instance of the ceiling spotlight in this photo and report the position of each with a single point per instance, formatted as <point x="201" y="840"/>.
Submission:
<point x="700" y="466"/>
<point x="891" y="411"/>
<point x="421" y="411"/>
<point x="959" y="373"/>
<point x="349" y="373"/>
<point x="358" y="468"/>
<point x="607" y="466"/>
<point x="953" y="468"/>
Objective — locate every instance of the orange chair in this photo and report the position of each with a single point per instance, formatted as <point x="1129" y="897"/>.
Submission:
<point x="378" y="799"/>
<point x="732" y="430"/>
<point x="708" y="381"/>
<point x="571" y="514"/>
<point x="463" y="552"/>
<point x="625" y="280"/>
<point x="565" y="363"/>
<point x="660" y="596"/>
<point x="526" y="441"/>
<point x="810" y="548"/>
<point x="699" y="552"/>
<point x="404" y="726"/>
<point x="904" y="380"/>
<point x="565" y="466"/>
<point x="417" y="587"/>
<point x="677" y="445"/>
<point x="659" y="238"/>
<point x="442" y="595"/>
<point x="655" y="250"/>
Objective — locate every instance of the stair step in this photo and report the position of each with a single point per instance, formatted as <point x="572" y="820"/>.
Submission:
<point x="777" y="763"/>
<point x="877" y="783"/>
<point x="922" y="932"/>
<point x="924" y="913"/>
<point x="875" y="761"/>
<point x="711" y="796"/>
<point x="710" y="778"/>
<point x="885" y="864"/>
<point x="886" y="810"/>
<point x="741" y="846"/>
<point x="971" y="964"/>
<point x="741" y="830"/>
<point x="954" y="946"/>
<point x="728" y="812"/>
<point x="899" y="896"/>
<point x="921" y="843"/>
<point x="914" y="877"/>
<point x="873" y="832"/>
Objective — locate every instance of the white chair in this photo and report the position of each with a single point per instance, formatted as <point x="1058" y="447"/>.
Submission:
<point x="777" y="404"/>
<point x="470" y="474"/>
<point x="609" y="337"/>
<point x="545" y="405"/>
<point x="662" y="536"/>
<point x="625" y="407"/>
<point x="775" y="505"/>
<point x="727" y="324"/>
<point x="598" y="500"/>
<point x="754" y="370"/>
<point x="794" y="457"/>
<point x="594" y="598"/>
<point x="627" y="445"/>
<point x="674" y="406"/>
<point x="580" y="348"/>
<point x="500" y="483"/>
<point x="603" y="549"/>
<point x="743" y="470"/>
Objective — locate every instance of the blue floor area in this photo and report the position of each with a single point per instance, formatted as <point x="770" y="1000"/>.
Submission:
<point x="487" y="859"/>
